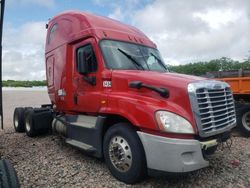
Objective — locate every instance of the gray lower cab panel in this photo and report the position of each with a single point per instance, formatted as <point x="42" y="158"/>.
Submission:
<point x="81" y="145"/>
<point x="85" y="132"/>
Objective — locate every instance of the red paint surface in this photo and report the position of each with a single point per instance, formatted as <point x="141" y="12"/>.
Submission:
<point x="75" y="29"/>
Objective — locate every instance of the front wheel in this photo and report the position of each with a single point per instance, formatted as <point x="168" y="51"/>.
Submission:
<point x="124" y="153"/>
<point x="243" y="120"/>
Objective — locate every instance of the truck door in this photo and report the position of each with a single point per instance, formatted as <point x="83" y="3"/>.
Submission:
<point x="86" y="86"/>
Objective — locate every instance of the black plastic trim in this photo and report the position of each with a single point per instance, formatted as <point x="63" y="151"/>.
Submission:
<point x="90" y="136"/>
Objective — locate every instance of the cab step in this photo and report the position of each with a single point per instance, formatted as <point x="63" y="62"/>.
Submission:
<point x="81" y="145"/>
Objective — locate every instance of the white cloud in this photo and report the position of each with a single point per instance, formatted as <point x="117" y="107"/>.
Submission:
<point x="44" y="3"/>
<point x="23" y="51"/>
<point x="122" y="9"/>
<point x="117" y="14"/>
<point x="189" y="31"/>
<point x="185" y="31"/>
<point x="123" y="3"/>
<point x="219" y="18"/>
<point x="194" y="30"/>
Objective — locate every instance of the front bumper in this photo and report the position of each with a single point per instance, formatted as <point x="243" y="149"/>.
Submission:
<point x="172" y="155"/>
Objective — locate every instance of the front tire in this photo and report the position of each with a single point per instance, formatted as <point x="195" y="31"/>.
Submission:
<point x="124" y="153"/>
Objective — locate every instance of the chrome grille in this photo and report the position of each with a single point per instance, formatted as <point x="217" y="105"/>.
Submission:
<point x="213" y="106"/>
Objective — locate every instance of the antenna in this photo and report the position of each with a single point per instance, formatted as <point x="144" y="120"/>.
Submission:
<point x="2" y="3"/>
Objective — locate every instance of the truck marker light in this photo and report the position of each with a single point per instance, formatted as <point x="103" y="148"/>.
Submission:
<point x="103" y="102"/>
<point x="105" y="34"/>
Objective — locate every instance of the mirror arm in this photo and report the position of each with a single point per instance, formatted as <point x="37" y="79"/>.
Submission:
<point x="138" y="85"/>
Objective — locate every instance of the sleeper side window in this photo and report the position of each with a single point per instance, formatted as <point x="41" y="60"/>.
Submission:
<point x="52" y="33"/>
<point x="85" y="56"/>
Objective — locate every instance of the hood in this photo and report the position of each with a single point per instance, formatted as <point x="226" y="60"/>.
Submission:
<point x="178" y="101"/>
<point x="156" y="79"/>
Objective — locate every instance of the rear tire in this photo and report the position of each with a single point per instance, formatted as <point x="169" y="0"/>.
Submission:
<point x="8" y="176"/>
<point x="124" y="153"/>
<point x="18" y="119"/>
<point x="243" y="120"/>
<point x="29" y="123"/>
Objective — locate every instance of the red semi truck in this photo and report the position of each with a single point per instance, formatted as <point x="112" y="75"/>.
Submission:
<point x="113" y="97"/>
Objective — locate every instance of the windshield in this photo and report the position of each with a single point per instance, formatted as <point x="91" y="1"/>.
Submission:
<point x="128" y="56"/>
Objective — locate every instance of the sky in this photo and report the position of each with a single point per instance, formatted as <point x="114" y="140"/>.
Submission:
<point x="184" y="30"/>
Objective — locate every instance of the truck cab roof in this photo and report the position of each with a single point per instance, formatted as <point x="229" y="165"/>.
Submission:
<point x="72" y="26"/>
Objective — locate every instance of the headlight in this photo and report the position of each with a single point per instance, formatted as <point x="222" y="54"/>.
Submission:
<point x="170" y="122"/>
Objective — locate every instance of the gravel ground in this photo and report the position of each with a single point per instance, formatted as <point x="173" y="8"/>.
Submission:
<point x="46" y="161"/>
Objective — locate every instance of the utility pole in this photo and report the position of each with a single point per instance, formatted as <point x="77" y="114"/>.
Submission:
<point x="2" y="3"/>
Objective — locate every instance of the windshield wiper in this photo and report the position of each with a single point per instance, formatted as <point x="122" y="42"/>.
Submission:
<point x="131" y="58"/>
<point x="160" y="61"/>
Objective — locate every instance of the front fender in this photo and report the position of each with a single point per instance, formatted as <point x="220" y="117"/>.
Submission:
<point x="140" y="110"/>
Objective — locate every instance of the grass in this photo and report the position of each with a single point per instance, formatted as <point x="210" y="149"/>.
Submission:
<point x="26" y="83"/>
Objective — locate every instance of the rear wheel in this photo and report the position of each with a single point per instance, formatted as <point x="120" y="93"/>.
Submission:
<point x="29" y="124"/>
<point x="124" y="153"/>
<point x="18" y="119"/>
<point x="8" y="177"/>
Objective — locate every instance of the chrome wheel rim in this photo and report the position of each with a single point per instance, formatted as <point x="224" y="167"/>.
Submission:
<point x="120" y="154"/>
<point x="27" y="125"/>
<point x="16" y="121"/>
<point x="246" y="120"/>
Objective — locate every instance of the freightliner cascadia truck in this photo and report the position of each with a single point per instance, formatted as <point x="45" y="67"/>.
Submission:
<point x="113" y="97"/>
